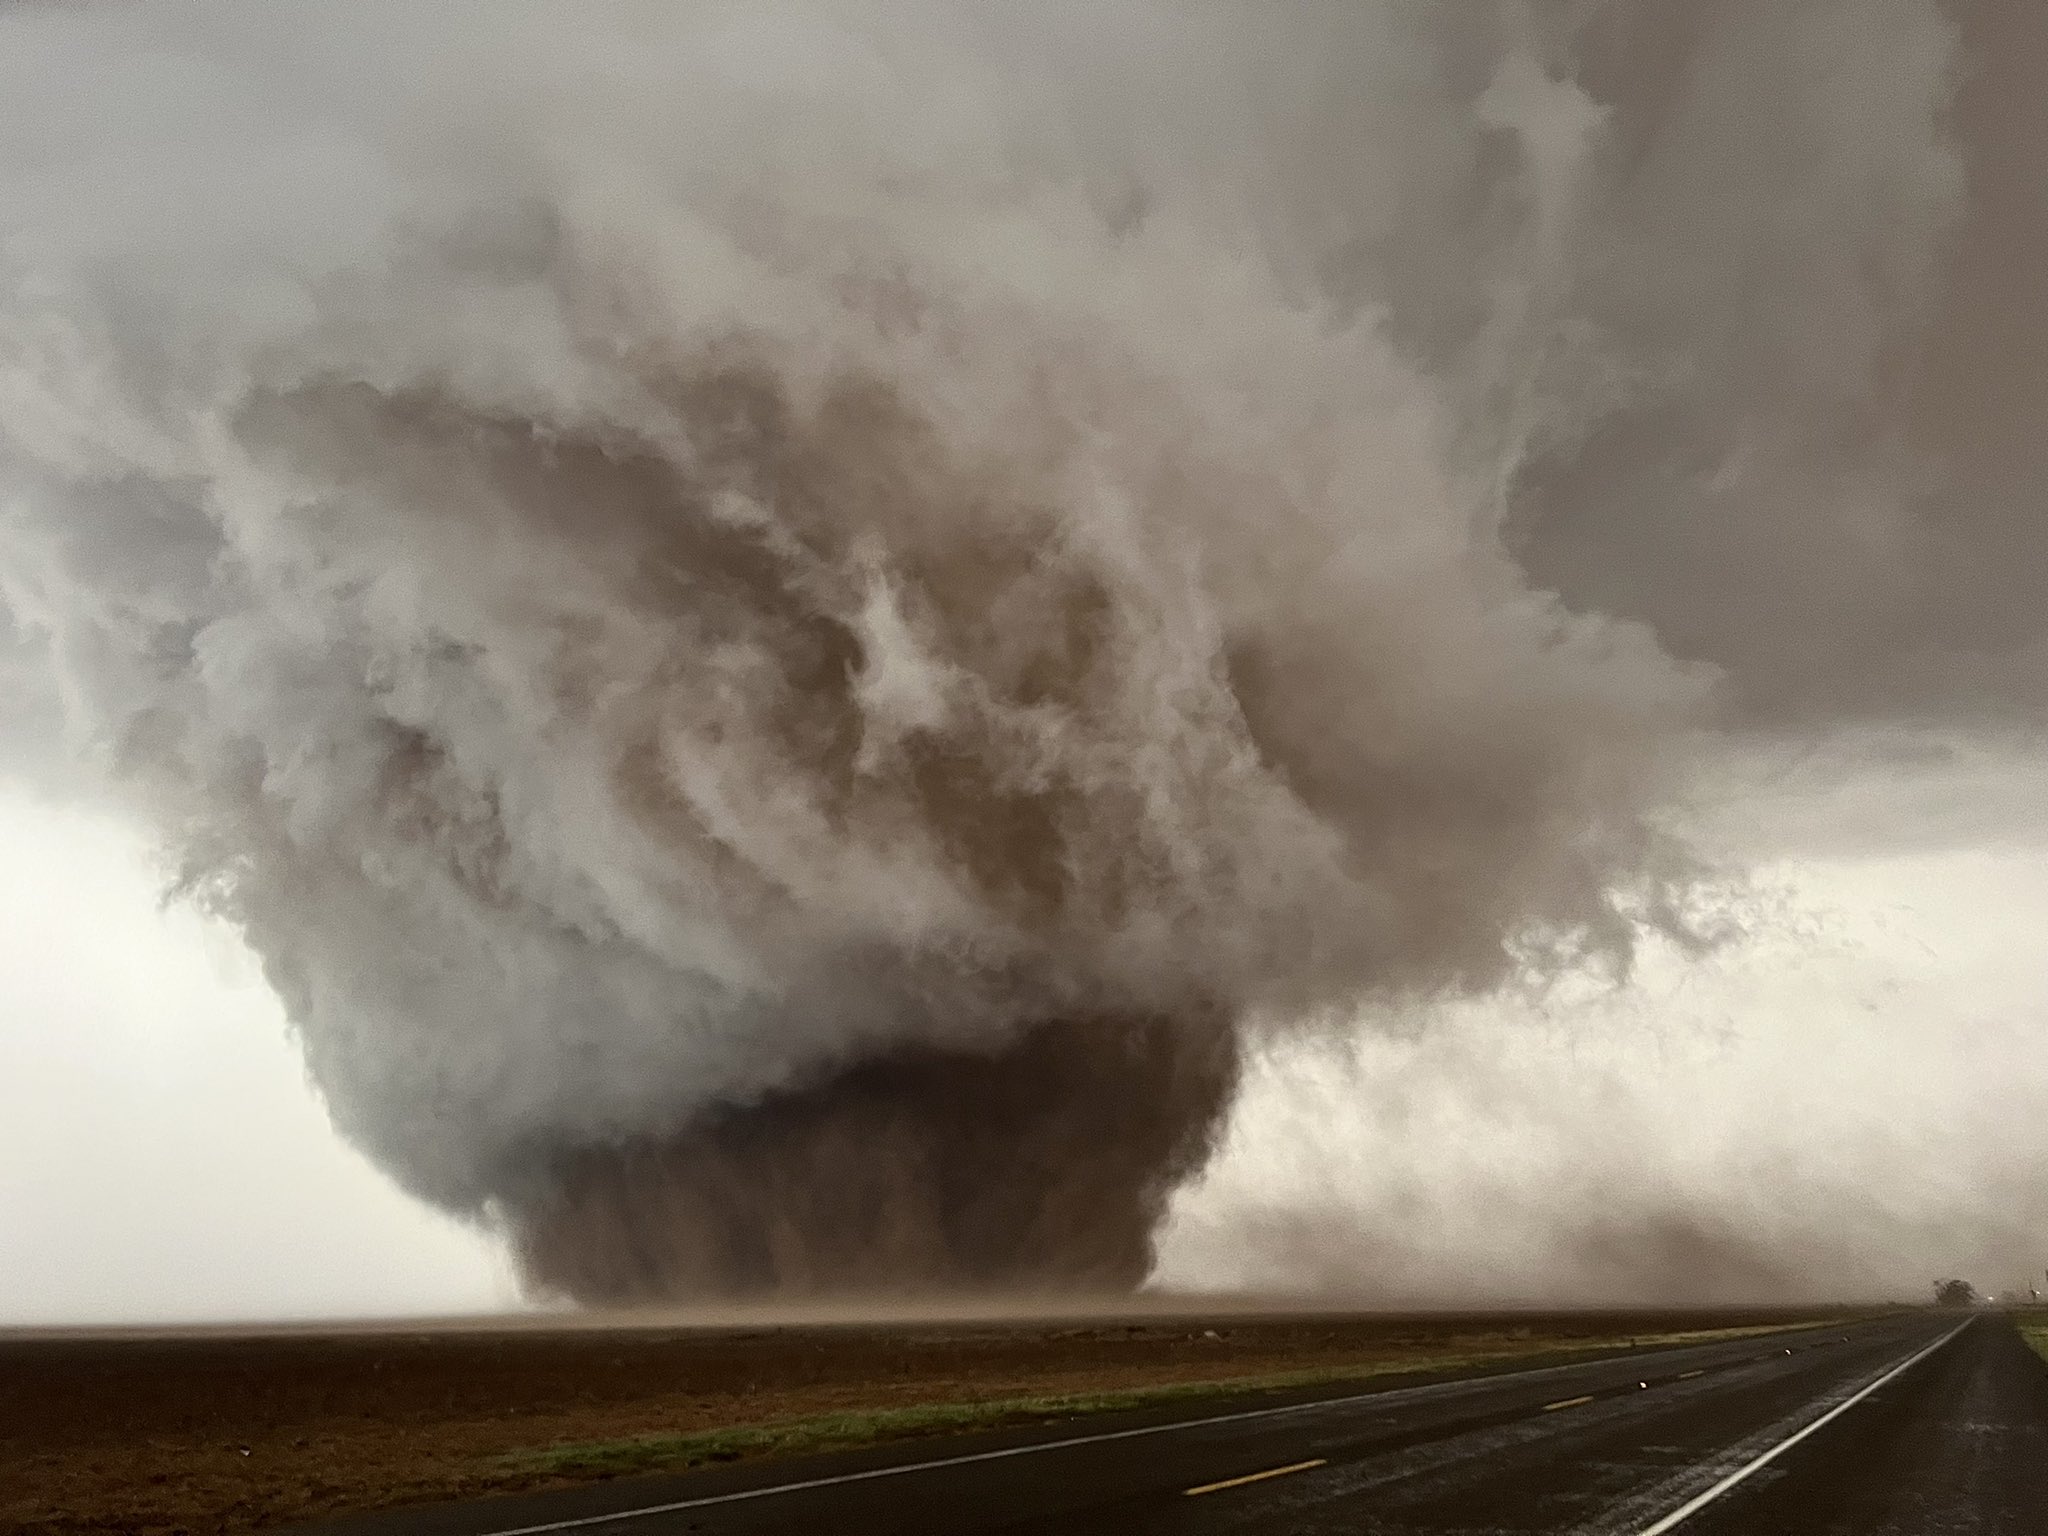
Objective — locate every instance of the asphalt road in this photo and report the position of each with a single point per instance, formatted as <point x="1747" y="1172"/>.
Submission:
<point x="1911" y="1424"/>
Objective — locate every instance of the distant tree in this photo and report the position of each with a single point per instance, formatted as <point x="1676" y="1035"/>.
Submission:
<point x="1954" y="1293"/>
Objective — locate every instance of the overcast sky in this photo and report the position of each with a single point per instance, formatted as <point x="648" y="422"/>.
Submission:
<point x="161" y="1156"/>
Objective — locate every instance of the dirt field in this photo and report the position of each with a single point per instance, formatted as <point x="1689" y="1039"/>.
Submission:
<point x="209" y="1432"/>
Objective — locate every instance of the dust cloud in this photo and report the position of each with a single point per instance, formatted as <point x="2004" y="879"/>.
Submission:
<point x="786" y="627"/>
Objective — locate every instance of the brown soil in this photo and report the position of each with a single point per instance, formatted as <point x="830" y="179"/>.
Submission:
<point x="178" y="1432"/>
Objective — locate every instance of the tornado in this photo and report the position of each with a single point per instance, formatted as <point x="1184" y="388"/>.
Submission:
<point x="789" y="631"/>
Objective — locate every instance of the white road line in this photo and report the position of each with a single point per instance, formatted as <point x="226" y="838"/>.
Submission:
<point x="1693" y="1506"/>
<point x="899" y="1470"/>
<point x="1004" y="1454"/>
<point x="1385" y="1394"/>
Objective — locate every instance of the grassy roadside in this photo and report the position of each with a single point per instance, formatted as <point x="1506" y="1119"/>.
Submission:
<point x="2033" y="1326"/>
<point x="851" y="1430"/>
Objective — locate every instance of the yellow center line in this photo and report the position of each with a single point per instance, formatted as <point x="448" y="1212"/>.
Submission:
<point x="1256" y="1477"/>
<point x="1570" y="1402"/>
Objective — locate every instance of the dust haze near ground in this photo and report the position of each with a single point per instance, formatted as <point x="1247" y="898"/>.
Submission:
<point x="782" y="626"/>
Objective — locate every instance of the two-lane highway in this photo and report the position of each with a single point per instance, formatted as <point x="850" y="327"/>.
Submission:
<point x="1909" y="1424"/>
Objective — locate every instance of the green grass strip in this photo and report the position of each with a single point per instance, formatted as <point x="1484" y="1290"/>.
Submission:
<point x="847" y="1430"/>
